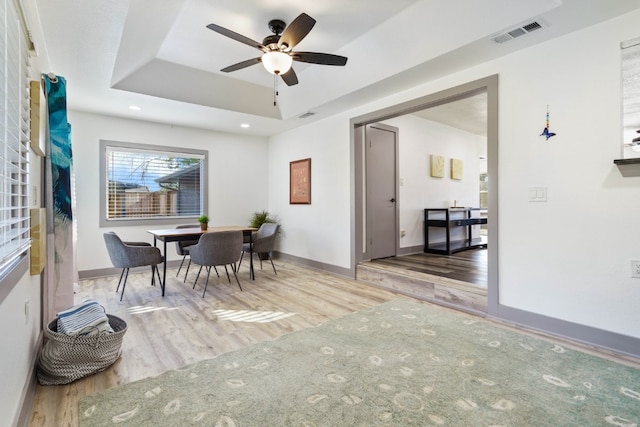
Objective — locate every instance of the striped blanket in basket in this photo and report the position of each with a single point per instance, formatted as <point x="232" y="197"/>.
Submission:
<point x="87" y="318"/>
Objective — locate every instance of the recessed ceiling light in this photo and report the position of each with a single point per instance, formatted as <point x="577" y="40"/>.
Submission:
<point x="134" y="108"/>
<point x="245" y="125"/>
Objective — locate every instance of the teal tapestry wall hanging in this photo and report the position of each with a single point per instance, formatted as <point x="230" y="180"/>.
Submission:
<point x="61" y="271"/>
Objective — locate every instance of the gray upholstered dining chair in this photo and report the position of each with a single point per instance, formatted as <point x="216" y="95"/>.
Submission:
<point x="264" y="241"/>
<point x="182" y="248"/>
<point x="125" y="255"/>
<point x="217" y="249"/>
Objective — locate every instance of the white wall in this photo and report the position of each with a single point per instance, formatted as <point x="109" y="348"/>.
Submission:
<point x="418" y="140"/>
<point x="238" y="174"/>
<point x="19" y="343"/>
<point x="567" y="258"/>
<point x="319" y="231"/>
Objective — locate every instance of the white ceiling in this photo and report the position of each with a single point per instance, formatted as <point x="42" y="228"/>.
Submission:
<point x="159" y="55"/>
<point x="468" y="114"/>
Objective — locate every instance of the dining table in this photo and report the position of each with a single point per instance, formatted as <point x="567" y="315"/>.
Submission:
<point x="193" y="234"/>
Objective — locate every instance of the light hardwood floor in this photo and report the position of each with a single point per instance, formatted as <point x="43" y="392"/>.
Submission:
<point x="182" y="328"/>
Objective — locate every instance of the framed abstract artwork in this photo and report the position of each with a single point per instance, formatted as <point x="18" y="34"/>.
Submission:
<point x="300" y="182"/>
<point x="437" y="166"/>
<point x="456" y="169"/>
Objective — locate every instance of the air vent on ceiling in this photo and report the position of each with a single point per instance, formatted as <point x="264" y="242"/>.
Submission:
<point x="517" y="32"/>
<point x="307" y="114"/>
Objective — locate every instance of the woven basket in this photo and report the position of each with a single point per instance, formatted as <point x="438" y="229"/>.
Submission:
<point x="65" y="358"/>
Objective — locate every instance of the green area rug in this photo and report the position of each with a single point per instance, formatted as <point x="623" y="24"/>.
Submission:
<point x="401" y="363"/>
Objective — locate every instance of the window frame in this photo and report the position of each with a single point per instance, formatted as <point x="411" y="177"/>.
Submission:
<point x="15" y="116"/>
<point x="148" y="221"/>
<point x="630" y="65"/>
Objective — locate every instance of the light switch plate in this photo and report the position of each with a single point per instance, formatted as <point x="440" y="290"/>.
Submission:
<point x="537" y="194"/>
<point x="635" y="268"/>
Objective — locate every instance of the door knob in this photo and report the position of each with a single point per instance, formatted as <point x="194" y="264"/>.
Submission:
<point x="393" y="200"/>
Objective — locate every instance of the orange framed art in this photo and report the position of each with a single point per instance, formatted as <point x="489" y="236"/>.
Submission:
<point x="300" y="182"/>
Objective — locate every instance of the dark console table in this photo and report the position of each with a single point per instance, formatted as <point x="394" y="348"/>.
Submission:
<point x="448" y="218"/>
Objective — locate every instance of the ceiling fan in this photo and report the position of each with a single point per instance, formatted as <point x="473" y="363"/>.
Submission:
<point x="278" y="55"/>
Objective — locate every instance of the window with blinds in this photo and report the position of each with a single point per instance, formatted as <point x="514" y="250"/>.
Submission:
<point x="14" y="135"/>
<point x="142" y="182"/>
<point x="631" y="98"/>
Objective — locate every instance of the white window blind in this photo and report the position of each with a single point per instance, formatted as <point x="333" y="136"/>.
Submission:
<point x="152" y="182"/>
<point x="14" y="134"/>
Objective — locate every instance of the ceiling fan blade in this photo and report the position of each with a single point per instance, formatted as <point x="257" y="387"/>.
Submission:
<point x="297" y="30"/>
<point x="235" y="36"/>
<point x="319" y="58"/>
<point x="241" y="65"/>
<point x="290" y="77"/>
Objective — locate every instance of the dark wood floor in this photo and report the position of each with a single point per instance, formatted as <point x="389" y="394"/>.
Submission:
<point x="467" y="266"/>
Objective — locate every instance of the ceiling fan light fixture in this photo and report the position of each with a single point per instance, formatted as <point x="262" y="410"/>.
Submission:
<point x="277" y="62"/>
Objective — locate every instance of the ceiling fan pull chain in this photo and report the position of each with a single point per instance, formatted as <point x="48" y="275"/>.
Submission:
<point x="275" y="88"/>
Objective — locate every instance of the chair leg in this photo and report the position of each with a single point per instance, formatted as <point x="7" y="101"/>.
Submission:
<point x="240" y="262"/>
<point x="124" y="284"/>
<point x="214" y="267"/>
<point x="181" y="262"/>
<point x="272" y="265"/>
<point x="235" y="273"/>
<point x="158" y="275"/>
<point x="197" y="277"/>
<point x="207" y="282"/>
<point x="185" y="274"/>
<point x="228" y="278"/>
<point x="153" y="275"/>
<point x="120" y="281"/>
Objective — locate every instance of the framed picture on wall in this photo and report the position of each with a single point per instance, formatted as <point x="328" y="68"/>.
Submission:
<point x="300" y="182"/>
<point x="437" y="166"/>
<point x="456" y="169"/>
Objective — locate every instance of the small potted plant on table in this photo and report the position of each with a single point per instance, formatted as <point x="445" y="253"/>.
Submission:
<point x="204" y="222"/>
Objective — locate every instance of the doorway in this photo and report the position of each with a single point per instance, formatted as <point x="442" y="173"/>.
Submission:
<point x="488" y="85"/>
<point x="381" y="149"/>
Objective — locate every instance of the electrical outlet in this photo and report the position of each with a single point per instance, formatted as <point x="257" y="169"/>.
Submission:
<point x="635" y="268"/>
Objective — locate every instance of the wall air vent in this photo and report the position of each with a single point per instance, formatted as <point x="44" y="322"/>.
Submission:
<point x="532" y="26"/>
<point x="307" y="114"/>
<point x="517" y="32"/>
